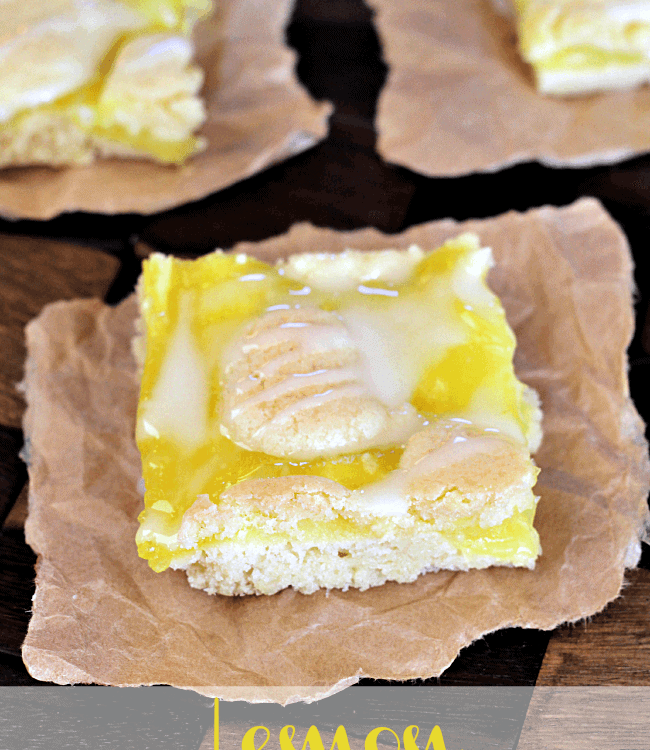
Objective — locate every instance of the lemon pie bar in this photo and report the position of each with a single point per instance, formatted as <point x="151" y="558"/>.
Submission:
<point x="80" y="78"/>
<point x="582" y="46"/>
<point x="333" y="421"/>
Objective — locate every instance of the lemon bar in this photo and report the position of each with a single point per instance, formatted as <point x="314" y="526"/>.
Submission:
<point x="332" y="421"/>
<point x="87" y="78"/>
<point x="583" y="46"/>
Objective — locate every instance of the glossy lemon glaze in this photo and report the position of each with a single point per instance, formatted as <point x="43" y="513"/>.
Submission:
<point x="461" y="352"/>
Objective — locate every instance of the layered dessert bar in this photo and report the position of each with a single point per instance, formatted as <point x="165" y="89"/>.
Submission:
<point x="583" y="46"/>
<point x="332" y="421"/>
<point x="87" y="78"/>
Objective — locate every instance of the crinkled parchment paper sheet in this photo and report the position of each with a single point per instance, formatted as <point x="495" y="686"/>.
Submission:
<point x="258" y="114"/>
<point x="459" y="99"/>
<point x="101" y="615"/>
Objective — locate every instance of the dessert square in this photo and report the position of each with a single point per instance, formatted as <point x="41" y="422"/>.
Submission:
<point x="252" y="121"/>
<point x="333" y="421"/>
<point x="583" y="46"/>
<point x="460" y="99"/>
<point x="87" y="78"/>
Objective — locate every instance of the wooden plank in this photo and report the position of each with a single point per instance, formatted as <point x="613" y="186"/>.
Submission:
<point x="17" y="586"/>
<point x="18" y="513"/>
<point x="33" y="273"/>
<point x="585" y="718"/>
<point x="14" y="674"/>
<point x="13" y="474"/>
<point x="612" y="648"/>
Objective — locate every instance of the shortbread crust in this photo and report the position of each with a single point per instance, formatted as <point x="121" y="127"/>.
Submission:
<point x="288" y="436"/>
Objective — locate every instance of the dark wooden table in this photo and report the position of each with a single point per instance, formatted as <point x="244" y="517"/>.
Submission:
<point x="343" y="184"/>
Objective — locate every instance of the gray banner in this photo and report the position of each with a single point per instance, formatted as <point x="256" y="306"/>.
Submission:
<point x="102" y="718"/>
<point x="360" y="718"/>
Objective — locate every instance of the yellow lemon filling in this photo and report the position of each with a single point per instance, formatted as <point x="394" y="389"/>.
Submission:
<point x="328" y="370"/>
<point x="513" y="542"/>
<point x="108" y="76"/>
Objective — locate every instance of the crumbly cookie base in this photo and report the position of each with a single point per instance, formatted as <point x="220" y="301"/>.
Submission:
<point x="590" y="81"/>
<point x="234" y="569"/>
<point x="56" y="140"/>
<point x="52" y="139"/>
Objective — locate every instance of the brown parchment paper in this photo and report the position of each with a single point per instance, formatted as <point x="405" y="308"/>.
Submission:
<point x="101" y="615"/>
<point x="459" y="99"/>
<point x="258" y="114"/>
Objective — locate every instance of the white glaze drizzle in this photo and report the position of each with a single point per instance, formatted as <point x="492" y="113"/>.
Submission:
<point x="389" y="496"/>
<point x="179" y="402"/>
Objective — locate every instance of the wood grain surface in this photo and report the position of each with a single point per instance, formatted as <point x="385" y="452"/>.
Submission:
<point x="34" y="272"/>
<point x="13" y="474"/>
<point x="611" y="648"/>
<point x="586" y="718"/>
<point x="17" y="578"/>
